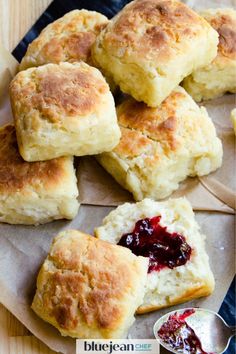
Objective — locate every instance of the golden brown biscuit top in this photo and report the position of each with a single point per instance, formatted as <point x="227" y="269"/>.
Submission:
<point x="159" y="124"/>
<point x="77" y="47"/>
<point x="68" y="39"/>
<point x="133" y="143"/>
<point x="152" y="27"/>
<point x="83" y="284"/>
<point x="58" y="91"/>
<point x="17" y="174"/>
<point x="224" y="22"/>
<point x="157" y="133"/>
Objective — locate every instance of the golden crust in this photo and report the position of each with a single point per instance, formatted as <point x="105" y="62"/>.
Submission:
<point x="161" y="146"/>
<point x="67" y="39"/>
<point x="85" y="286"/>
<point x="132" y="143"/>
<point x="34" y="193"/>
<point x="143" y="45"/>
<point x="57" y="90"/>
<point x="16" y="174"/>
<point x="157" y="26"/>
<point x="63" y="109"/>
<point x="159" y="124"/>
<point x="224" y="22"/>
<point x="162" y="125"/>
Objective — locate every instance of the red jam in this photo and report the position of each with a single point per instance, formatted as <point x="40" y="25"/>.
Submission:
<point x="178" y="335"/>
<point x="150" y="239"/>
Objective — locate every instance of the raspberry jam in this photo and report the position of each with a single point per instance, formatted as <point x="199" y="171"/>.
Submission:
<point x="150" y="239"/>
<point x="178" y="335"/>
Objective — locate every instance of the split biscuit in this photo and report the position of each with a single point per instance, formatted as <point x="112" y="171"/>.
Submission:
<point x="168" y="285"/>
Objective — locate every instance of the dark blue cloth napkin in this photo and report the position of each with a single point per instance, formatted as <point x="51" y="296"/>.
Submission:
<point x="228" y="312"/>
<point x="109" y="8"/>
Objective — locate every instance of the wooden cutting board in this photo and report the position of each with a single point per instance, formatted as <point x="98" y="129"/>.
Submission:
<point x="16" y="18"/>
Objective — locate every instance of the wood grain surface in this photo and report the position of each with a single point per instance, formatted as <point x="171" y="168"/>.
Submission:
<point x="16" y="18"/>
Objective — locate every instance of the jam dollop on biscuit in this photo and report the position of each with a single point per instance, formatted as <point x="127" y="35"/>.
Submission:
<point x="150" y="239"/>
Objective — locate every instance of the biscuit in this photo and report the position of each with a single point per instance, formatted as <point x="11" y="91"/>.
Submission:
<point x="67" y="39"/>
<point x="88" y="288"/>
<point x="233" y="119"/>
<point x="218" y="77"/>
<point x="63" y="109"/>
<point x="176" y="281"/>
<point x="151" y="45"/>
<point x="34" y="193"/>
<point x="161" y="146"/>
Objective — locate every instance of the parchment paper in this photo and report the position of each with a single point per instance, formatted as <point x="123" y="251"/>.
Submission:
<point x="23" y="248"/>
